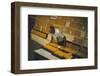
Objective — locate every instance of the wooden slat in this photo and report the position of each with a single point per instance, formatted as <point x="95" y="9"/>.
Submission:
<point x="43" y="35"/>
<point x="67" y="49"/>
<point x="58" y="52"/>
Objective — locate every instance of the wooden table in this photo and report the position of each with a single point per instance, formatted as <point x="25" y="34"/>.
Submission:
<point x="63" y="51"/>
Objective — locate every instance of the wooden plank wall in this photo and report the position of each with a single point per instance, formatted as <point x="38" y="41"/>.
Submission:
<point x="71" y="26"/>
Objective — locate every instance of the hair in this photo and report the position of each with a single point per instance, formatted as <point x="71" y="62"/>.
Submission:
<point x="52" y="29"/>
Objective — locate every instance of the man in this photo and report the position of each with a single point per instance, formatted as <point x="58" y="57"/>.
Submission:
<point x="56" y="36"/>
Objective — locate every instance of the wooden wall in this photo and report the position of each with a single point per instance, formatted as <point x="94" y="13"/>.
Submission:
<point x="75" y="28"/>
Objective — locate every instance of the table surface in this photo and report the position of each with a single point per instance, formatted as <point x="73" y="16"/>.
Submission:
<point x="56" y="49"/>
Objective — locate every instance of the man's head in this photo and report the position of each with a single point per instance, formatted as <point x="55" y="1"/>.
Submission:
<point x="52" y="29"/>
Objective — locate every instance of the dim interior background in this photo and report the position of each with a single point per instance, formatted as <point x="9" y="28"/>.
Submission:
<point x="5" y="42"/>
